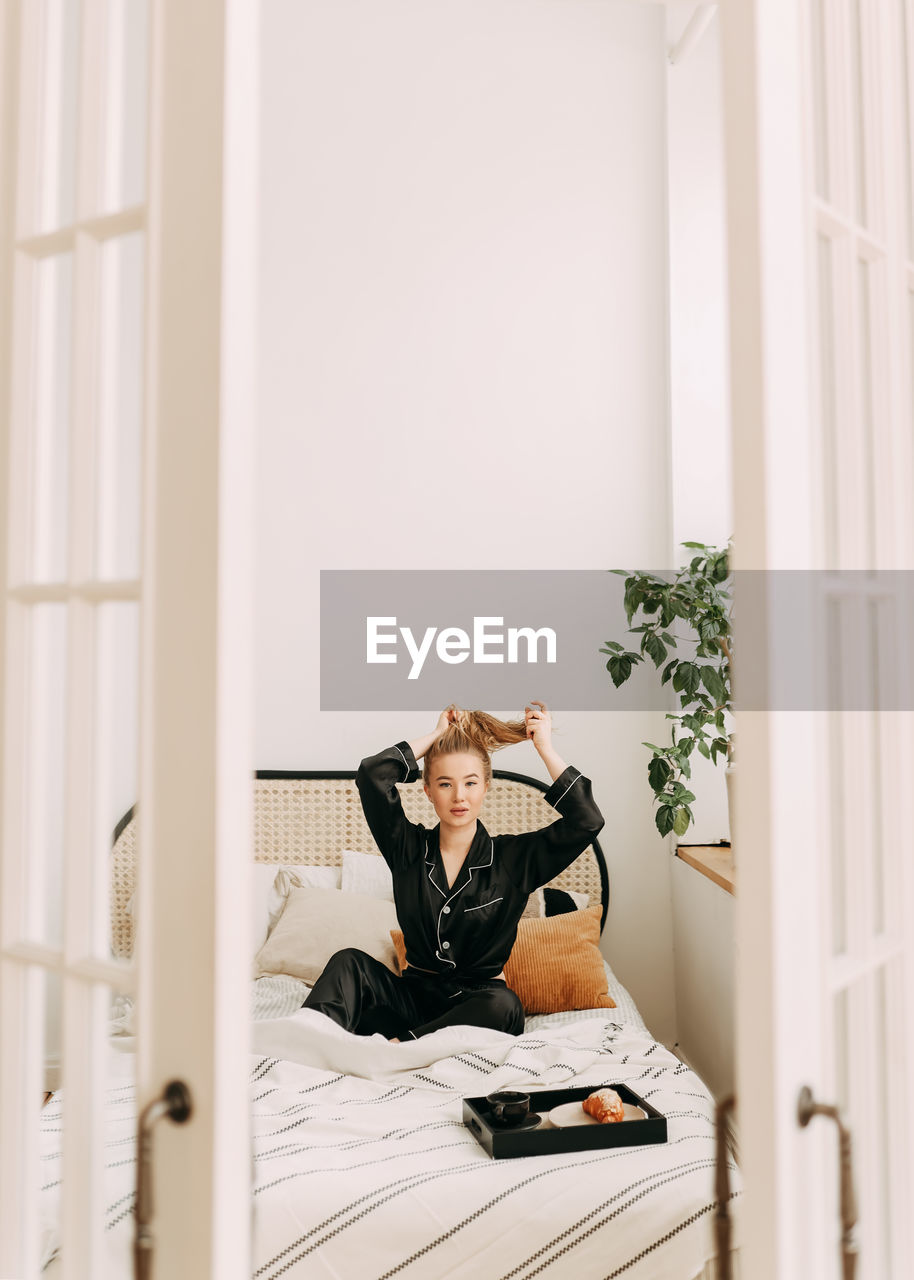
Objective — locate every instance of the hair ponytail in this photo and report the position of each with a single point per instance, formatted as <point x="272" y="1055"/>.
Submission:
<point x="475" y="733"/>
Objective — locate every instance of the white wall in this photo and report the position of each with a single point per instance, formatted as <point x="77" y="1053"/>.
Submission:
<point x="703" y="941"/>
<point x="464" y="352"/>
<point x="703" y="913"/>
<point x="699" y="354"/>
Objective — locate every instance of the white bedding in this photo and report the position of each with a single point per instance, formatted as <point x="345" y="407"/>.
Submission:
<point x="364" y="1169"/>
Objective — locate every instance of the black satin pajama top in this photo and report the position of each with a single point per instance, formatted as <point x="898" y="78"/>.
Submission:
<point x="467" y="931"/>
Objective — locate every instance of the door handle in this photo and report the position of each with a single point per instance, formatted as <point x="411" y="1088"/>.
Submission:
<point x="807" y="1107"/>
<point x="175" y="1103"/>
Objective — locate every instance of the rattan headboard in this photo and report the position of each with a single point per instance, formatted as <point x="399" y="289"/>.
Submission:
<point x="313" y="816"/>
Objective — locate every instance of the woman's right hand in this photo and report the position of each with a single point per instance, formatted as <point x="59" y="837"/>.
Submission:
<point x="450" y="715"/>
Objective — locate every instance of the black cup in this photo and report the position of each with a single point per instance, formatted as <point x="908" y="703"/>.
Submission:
<point x="509" y="1106"/>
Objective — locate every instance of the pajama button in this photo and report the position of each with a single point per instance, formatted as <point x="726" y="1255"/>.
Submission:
<point x="445" y="945"/>
<point x="446" y="910"/>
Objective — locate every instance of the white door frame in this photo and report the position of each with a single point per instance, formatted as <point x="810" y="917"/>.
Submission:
<point x="822" y="462"/>
<point x="196" y="761"/>
<point x="194" y="587"/>
<point x="770" y="408"/>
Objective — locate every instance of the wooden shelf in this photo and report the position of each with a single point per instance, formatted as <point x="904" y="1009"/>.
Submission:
<point x="713" y="860"/>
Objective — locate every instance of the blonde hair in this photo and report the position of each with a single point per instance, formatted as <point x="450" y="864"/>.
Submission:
<point x="474" y="733"/>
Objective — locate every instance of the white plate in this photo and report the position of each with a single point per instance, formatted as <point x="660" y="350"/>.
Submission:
<point x="571" y="1113"/>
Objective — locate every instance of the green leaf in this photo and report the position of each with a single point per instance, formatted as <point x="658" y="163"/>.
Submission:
<point x="654" y="647"/>
<point x="702" y="747"/>
<point x="693" y="677"/>
<point x="681" y="822"/>
<point x="664" y="819"/>
<point x="658" y="773"/>
<point x="718" y="748"/>
<point x="620" y="668"/>
<point x="613" y="645"/>
<point x="687" y="679"/>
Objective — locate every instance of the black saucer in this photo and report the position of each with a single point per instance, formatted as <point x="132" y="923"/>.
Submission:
<point x="529" y="1122"/>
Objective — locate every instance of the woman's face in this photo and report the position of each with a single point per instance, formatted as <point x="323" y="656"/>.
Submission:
<point x="457" y="789"/>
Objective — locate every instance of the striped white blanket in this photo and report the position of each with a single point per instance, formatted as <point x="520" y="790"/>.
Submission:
<point x="364" y="1169"/>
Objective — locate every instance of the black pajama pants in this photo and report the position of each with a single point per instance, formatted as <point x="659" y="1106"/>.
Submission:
<point x="364" y="996"/>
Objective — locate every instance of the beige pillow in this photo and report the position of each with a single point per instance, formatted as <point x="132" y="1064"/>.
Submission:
<point x="555" y="963"/>
<point x="317" y="922"/>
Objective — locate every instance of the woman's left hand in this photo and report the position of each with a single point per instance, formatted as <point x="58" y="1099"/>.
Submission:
<point x="450" y="715"/>
<point x="538" y="723"/>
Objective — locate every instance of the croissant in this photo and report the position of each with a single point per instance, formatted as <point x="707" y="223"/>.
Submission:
<point x="605" y="1105"/>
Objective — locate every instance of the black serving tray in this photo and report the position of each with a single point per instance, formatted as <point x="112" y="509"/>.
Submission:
<point x="545" y="1140"/>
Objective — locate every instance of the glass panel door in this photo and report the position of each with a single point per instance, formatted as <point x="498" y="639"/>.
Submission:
<point x="118" y="240"/>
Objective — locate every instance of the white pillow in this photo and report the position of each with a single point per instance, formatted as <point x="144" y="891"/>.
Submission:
<point x="315" y="923"/>
<point x="367" y="873"/>
<point x="271" y="888"/>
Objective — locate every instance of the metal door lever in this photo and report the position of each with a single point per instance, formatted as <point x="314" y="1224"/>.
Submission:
<point x="175" y="1103"/>
<point x="807" y="1107"/>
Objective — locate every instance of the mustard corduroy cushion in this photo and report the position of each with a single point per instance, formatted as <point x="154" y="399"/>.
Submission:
<point x="555" y="963"/>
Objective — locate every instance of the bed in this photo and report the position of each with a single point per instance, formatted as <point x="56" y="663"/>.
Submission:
<point x="362" y="1165"/>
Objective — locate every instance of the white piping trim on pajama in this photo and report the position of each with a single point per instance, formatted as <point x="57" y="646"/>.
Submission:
<point x="405" y="761"/>
<point x="444" y="959"/>
<point x="430" y="863"/>
<point x="449" y="900"/>
<point x="482" y="904"/>
<point x="567" y="789"/>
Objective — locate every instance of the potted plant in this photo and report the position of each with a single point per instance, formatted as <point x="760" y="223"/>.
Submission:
<point x="698" y="594"/>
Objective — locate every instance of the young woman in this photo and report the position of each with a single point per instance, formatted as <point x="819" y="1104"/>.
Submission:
<point x="459" y="892"/>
